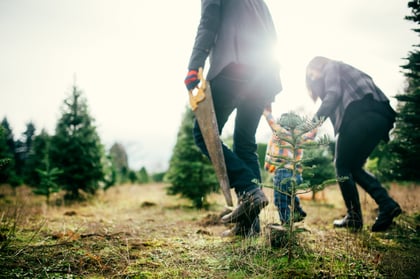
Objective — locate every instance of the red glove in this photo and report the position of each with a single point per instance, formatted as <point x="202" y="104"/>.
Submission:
<point x="268" y="108"/>
<point x="191" y="81"/>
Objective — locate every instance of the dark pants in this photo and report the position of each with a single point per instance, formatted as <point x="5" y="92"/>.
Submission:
<point x="232" y="89"/>
<point x="354" y="145"/>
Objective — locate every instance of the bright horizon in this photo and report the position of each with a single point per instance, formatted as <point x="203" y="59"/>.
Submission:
<point x="130" y="57"/>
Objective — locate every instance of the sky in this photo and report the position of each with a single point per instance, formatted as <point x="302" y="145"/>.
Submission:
<point x="129" y="57"/>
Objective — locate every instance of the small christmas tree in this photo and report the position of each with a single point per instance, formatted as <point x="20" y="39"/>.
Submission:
<point x="48" y="178"/>
<point x="295" y="133"/>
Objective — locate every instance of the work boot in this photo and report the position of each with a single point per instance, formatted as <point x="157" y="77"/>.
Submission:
<point x="299" y="214"/>
<point x="244" y="229"/>
<point x="353" y="222"/>
<point x="249" y="206"/>
<point x="385" y="217"/>
<point x="388" y="208"/>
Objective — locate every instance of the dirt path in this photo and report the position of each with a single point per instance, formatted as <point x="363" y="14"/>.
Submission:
<point x="137" y="231"/>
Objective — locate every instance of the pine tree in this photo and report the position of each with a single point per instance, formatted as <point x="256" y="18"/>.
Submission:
<point x="4" y="156"/>
<point x="120" y="162"/>
<point x="110" y="172"/>
<point x="405" y="145"/>
<point x="23" y="150"/>
<point x="190" y="172"/>
<point x="8" y="155"/>
<point x="143" y="176"/>
<point x="36" y="158"/>
<point x="293" y="137"/>
<point x="319" y="167"/>
<point x="76" y="148"/>
<point x="48" y="177"/>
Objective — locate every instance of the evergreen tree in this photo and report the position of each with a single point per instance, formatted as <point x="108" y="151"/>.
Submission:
<point x="7" y="153"/>
<point x="261" y="149"/>
<point x="110" y="172"/>
<point x="76" y="148"/>
<point x="132" y="176"/>
<point x="190" y="172"/>
<point x="23" y="149"/>
<point x="48" y="177"/>
<point x="405" y="145"/>
<point x="5" y="157"/>
<point x="319" y="167"/>
<point x="36" y="158"/>
<point x="293" y="137"/>
<point x="120" y="162"/>
<point x="143" y="176"/>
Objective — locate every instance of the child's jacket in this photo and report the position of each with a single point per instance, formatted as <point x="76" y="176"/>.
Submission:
<point x="275" y="146"/>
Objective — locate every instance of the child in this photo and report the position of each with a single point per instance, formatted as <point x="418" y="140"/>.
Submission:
<point x="275" y="151"/>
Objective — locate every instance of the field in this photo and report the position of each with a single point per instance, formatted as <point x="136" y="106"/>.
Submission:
<point x="137" y="231"/>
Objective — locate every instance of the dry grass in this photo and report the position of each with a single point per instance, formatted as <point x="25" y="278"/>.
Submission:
<point x="135" y="231"/>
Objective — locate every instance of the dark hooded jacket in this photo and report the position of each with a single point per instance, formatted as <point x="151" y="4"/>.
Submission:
<point x="234" y="31"/>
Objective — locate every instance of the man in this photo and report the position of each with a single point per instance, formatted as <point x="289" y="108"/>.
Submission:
<point x="239" y="38"/>
<point x="361" y="116"/>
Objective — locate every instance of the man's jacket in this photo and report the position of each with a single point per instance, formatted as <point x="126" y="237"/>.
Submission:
<point x="234" y="31"/>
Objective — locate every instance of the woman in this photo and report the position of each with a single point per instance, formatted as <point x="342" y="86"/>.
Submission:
<point x="361" y="116"/>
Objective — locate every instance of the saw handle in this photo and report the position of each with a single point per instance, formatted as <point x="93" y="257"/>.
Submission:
<point x="199" y="95"/>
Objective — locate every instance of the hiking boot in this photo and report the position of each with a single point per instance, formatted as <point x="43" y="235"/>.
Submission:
<point x="384" y="219"/>
<point x="300" y="211"/>
<point x="349" y="221"/>
<point x="243" y="229"/>
<point x="299" y="215"/>
<point x="249" y="206"/>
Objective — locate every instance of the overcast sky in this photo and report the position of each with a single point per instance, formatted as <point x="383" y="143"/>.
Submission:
<point x="129" y="57"/>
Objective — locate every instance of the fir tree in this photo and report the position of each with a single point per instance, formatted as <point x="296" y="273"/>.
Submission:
<point x="8" y="155"/>
<point x="36" y="158"/>
<point x="23" y="150"/>
<point x="405" y="145"/>
<point x="143" y="176"/>
<point x="190" y="173"/>
<point x="48" y="177"/>
<point x="294" y="137"/>
<point x="76" y="148"/>
<point x="119" y="159"/>
<point x="319" y="167"/>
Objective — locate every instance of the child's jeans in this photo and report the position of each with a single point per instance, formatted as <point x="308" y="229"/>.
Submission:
<point x="282" y="200"/>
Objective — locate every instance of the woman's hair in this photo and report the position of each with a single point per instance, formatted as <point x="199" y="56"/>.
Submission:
<point x="317" y="63"/>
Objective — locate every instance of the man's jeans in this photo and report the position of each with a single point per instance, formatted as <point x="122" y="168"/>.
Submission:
<point x="282" y="199"/>
<point x="231" y="90"/>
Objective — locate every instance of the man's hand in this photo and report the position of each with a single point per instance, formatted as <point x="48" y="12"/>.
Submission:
<point x="191" y="81"/>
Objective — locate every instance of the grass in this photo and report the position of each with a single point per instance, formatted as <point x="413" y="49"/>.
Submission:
<point x="135" y="231"/>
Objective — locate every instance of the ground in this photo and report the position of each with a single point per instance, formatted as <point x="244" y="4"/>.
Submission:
<point x="137" y="231"/>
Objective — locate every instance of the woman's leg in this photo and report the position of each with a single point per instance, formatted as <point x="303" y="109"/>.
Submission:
<point x="375" y="130"/>
<point x="345" y="149"/>
<point x="354" y="146"/>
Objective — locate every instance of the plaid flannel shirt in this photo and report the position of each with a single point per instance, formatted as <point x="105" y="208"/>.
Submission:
<point x="344" y="84"/>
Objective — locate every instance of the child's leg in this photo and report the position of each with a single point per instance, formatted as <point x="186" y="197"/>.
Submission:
<point x="298" y="207"/>
<point x="281" y="198"/>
